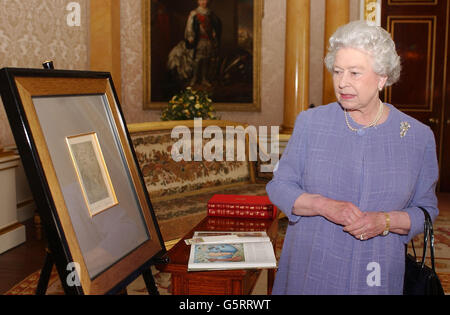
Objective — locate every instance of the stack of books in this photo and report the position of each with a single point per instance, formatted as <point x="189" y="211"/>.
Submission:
<point x="240" y="206"/>
<point x="231" y="224"/>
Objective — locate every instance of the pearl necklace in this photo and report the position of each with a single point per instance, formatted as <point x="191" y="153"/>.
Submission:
<point x="373" y="123"/>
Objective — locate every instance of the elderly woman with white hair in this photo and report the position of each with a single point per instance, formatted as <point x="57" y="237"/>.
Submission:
<point x="353" y="176"/>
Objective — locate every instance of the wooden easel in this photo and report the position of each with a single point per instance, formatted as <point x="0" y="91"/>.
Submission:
<point x="60" y="258"/>
<point x="49" y="262"/>
<point x="146" y="273"/>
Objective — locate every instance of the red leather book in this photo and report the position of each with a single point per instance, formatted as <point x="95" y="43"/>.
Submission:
<point x="230" y="224"/>
<point x="241" y="206"/>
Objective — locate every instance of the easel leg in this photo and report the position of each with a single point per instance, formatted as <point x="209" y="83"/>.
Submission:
<point x="45" y="275"/>
<point x="150" y="282"/>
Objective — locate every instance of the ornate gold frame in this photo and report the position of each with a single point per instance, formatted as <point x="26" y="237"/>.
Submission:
<point x="255" y="106"/>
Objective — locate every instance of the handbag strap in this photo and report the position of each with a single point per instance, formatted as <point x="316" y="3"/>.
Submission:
<point x="428" y="235"/>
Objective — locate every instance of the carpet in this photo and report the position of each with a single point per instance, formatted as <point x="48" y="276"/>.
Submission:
<point x="137" y="287"/>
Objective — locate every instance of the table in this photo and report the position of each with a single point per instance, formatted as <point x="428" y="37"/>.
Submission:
<point x="223" y="282"/>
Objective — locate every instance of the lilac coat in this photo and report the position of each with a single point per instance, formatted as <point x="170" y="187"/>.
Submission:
<point x="377" y="171"/>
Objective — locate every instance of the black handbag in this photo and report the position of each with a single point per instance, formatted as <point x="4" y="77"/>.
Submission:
<point x="419" y="278"/>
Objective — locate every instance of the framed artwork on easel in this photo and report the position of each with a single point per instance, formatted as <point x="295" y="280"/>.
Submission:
<point x="84" y="175"/>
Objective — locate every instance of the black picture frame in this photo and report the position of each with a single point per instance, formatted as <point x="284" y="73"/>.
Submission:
<point x="114" y="247"/>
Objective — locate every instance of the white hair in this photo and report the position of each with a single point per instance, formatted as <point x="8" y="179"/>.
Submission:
<point x="372" y="39"/>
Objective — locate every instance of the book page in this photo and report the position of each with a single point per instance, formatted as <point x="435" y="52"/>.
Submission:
<point x="222" y="256"/>
<point x="209" y="237"/>
<point x="259" y="252"/>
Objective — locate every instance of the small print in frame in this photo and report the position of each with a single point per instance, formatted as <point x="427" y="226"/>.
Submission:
<point x="92" y="172"/>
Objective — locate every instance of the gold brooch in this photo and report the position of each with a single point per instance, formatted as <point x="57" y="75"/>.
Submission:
<point x="404" y="127"/>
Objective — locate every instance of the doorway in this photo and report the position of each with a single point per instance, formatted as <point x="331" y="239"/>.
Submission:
<point x="420" y="29"/>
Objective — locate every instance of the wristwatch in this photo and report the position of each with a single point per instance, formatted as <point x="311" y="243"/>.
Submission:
<point x="388" y="224"/>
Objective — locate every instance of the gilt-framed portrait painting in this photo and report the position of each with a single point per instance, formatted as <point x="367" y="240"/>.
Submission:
<point x="84" y="176"/>
<point x="208" y="45"/>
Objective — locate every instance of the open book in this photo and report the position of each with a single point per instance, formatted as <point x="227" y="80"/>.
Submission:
<point x="230" y="250"/>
